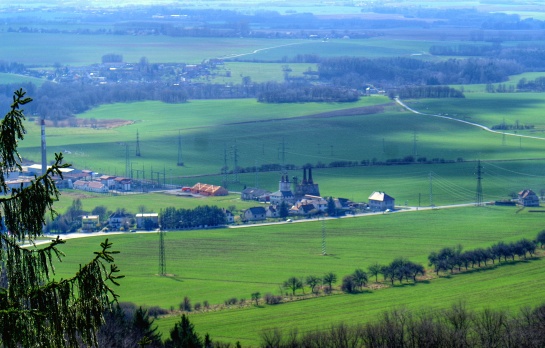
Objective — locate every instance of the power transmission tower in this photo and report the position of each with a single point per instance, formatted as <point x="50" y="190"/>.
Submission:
<point x="180" y="162"/>
<point x="235" y="160"/>
<point x="431" y="190"/>
<point x="137" y="144"/>
<point x="224" y="169"/>
<point x="127" y="161"/>
<point x="323" y="237"/>
<point x="162" y="261"/>
<point x="479" y="198"/>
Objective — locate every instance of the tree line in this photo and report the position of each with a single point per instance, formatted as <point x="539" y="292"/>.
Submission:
<point x="456" y="326"/>
<point x="415" y="92"/>
<point x="402" y="71"/>
<point x="448" y="259"/>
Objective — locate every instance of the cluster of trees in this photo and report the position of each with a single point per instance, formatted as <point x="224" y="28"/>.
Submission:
<point x="500" y="88"/>
<point x="400" y="269"/>
<point x="527" y="57"/>
<point x="175" y="219"/>
<point x="70" y="220"/>
<point x="350" y="71"/>
<point x="453" y="327"/>
<point x="447" y="259"/>
<point x="536" y="85"/>
<point x="415" y="92"/>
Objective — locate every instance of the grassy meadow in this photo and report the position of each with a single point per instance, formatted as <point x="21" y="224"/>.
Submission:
<point x="215" y="265"/>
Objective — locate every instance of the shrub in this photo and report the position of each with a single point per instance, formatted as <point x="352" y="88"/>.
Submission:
<point x="348" y="285"/>
<point x="185" y="305"/>
<point x="197" y="306"/>
<point x="231" y="301"/>
<point x="156" y="311"/>
<point x="272" y="299"/>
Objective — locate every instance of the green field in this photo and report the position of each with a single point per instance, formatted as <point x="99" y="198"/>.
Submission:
<point x="215" y="265"/>
<point x="270" y="133"/>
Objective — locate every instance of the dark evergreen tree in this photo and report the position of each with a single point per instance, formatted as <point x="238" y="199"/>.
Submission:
<point x="183" y="335"/>
<point x="142" y="326"/>
<point x="36" y="311"/>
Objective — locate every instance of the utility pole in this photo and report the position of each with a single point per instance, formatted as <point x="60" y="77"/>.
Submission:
<point x="479" y="198"/>
<point x="256" y="176"/>
<point x="323" y="237"/>
<point x="224" y="169"/>
<point x="431" y="190"/>
<point x="235" y="160"/>
<point x="127" y="161"/>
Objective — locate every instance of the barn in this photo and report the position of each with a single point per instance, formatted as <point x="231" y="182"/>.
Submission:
<point x="208" y="190"/>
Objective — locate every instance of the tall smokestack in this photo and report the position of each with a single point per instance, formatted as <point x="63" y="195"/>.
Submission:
<point x="310" y="176"/>
<point x="44" y="160"/>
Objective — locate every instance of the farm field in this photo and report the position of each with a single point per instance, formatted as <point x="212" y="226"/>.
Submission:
<point x="205" y="138"/>
<point x="215" y="265"/>
<point x="13" y="79"/>
<point x="76" y="50"/>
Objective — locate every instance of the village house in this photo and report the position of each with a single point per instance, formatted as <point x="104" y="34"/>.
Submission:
<point x="303" y="209"/>
<point x="528" y="198"/>
<point x="254" y="214"/>
<point x="119" y="219"/>
<point x="255" y="194"/>
<point x="380" y="201"/>
<point x="272" y="211"/>
<point x="90" y="223"/>
<point x="318" y="202"/>
<point x="229" y="217"/>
